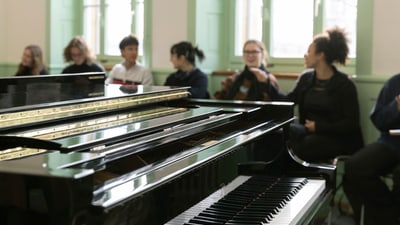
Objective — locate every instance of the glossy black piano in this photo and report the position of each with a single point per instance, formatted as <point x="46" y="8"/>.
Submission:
<point x="76" y="151"/>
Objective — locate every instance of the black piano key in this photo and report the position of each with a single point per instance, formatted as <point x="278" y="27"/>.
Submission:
<point x="241" y="223"/>
<point x="244" y="222"/>
<point x="253" y="217"/>
<point x="212" y="220"/>
<point x="260" y="210"/>
<point x="221" y="205"/>
<point x="215" y="215"/>
<point x="197" y="220"/>
<point x="221" y="211"/>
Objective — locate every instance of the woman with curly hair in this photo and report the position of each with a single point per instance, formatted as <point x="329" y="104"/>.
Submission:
<point x="78" y="52"/>
<point x="329" y="113"/>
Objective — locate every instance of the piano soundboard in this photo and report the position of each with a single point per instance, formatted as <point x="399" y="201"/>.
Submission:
<point x="255" y="200"/>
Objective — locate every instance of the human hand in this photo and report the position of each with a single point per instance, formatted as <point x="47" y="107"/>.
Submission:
<point x="397" y="98"/>
<point x="310" y="125"/>
<point x="260" y="74"/>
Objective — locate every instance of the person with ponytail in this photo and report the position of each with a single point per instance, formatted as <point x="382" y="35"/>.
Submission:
<point x="183" y="58"/>
<point x="255" y="81"/>
<point x="328" y="107"/>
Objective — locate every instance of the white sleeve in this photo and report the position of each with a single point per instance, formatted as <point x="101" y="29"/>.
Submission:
<point x="147" y="77"/>
<point x="110" y="76"/>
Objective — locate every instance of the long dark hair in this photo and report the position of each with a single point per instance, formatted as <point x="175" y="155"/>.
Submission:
<point x="186" y="49"/>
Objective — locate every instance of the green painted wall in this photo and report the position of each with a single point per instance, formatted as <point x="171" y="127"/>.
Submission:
<point x="63" y="24"/>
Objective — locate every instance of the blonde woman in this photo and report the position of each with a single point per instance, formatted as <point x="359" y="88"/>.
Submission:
<point x="32" y="62"/>
<point x="81" y="58"/>
<point x="255" y="81"/>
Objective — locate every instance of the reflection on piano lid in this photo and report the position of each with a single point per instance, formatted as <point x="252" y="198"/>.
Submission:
<point x="114" y="99"/>
<point x="255" y="200"/>
<point x="28" y="90"/>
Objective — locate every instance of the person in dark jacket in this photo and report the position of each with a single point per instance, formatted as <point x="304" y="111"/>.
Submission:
<point x="362" y="182"/>
<point x="183" y="56"/>
<point x="329" y="114"/>
<point x="255" y="81"/>
<point x="78" y="52"/>
<point x="32" y="62"/>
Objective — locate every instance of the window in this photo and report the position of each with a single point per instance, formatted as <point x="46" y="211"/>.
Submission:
<point x="291" y="28"/>
<point x="106" y="22"/>
<point x="291" y="24"/>
<point x="248" y="22"/>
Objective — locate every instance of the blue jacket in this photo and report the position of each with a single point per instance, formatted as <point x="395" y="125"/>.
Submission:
<point x="385" y="115"/>
<point x="195" y="79"/>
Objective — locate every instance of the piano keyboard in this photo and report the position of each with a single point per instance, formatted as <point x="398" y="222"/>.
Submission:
<point x="255" y="200"/>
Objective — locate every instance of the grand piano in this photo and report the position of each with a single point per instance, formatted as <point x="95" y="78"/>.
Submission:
<point x="75" y="151"/>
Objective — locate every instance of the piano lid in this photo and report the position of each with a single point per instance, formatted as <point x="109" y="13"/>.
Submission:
<point x="37" y="99"/>
<point x="30" y="90"/>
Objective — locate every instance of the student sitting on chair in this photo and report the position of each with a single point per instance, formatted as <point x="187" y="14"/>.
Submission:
<point x="362" y="180"/>
<point x="329" y="114"/>
<point x="183" y="56"/>
<point x="32" y="62"/>
<point x="255" y="81"/>
<point x="129" y="71"/>
<point x="78" y="52"/>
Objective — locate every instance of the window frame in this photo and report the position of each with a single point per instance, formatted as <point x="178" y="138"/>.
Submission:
<point x="291" y="65"/>
<point x="106" y="59"/>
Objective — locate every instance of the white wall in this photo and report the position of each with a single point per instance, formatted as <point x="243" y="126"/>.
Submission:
<point x="169" y="27"/>
<point x="23" y="22"/>
<point x="386" y="38"/>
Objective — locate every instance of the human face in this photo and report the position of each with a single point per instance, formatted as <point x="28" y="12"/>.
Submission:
<point x="253" y="55"/>
<point x="312" y="58"/>
<point x="27" y="58"/>
<point x="176" y="61"/>
<point x="130" y="53"/>
<point x="77" y="56"/>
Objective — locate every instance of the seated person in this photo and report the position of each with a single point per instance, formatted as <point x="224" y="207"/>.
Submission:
<point x="183" y="58"/>
<point x="78" y="52"/>
<point x="362" y="181"/>
<point x="254" y="82"/>
<point x="32" y="62"/>
<point x="329" y="114"/>
<point x="129" y="71"/>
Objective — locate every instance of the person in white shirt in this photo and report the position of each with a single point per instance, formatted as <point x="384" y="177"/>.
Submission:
<point x="129" y="71"/>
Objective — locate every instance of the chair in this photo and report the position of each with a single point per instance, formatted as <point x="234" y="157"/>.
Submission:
<point x="331" y="165"/>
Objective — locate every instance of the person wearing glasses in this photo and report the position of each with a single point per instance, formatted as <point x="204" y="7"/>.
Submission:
<point x="329" y="113"/>
<point x="255" y="81"/>
<point x="77" y="53"/>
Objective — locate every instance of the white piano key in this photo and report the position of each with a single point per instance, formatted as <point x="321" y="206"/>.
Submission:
<point x="292" y="212"/>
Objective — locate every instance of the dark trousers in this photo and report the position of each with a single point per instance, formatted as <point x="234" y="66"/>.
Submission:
<point x="316" y="147"/>
<point x="363" y="184"/>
